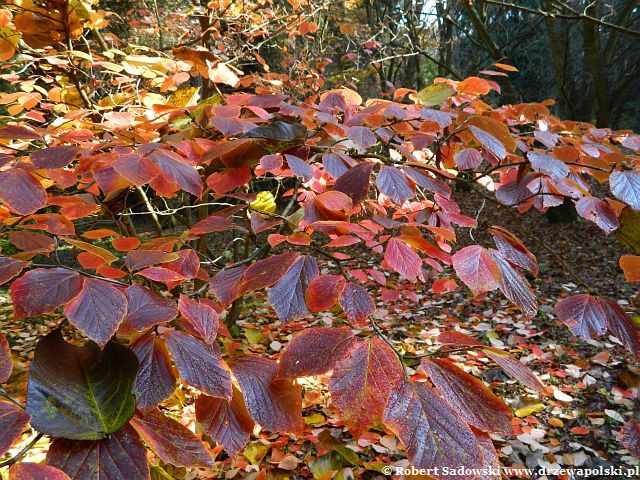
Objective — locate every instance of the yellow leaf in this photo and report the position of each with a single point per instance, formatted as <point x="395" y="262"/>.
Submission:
<point x="529" y="410"/>
<point x="433" y="95"/>
<point x="8" y="41"/>
<point x="264" y="202"/>
<point x="106" y="255"/>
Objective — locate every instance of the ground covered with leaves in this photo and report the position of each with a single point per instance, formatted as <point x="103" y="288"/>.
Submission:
<point x="592" y="386"/>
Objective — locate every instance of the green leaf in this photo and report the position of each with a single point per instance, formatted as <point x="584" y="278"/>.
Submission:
<point x="433" y="95"/>
<point x="253" y="335"/>
<point x="330" y="462"/>
<point x="629" y="231"/>
<point x="80" y="393"/>
<point x="159" y="473"/>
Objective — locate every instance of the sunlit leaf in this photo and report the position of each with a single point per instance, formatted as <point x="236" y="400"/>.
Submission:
<point x="629" y="436"/>
<point x="171" y="441"/>
<point x="120" y="456"/>
<point x="200" y="365"/>
<point x="146" y="309"/>
<point x="42" y="290"/>
<point x="13" y="421"/>
<point x="201" y="317"/>
<point x="275" y="404"/>
<point x="475" y="266"/>
<point x="430" y="430"/>
<point x="156" y="378"/>
<point x="361" y="384"/>
<point x="625" y="186"/>
<point x="21" y="192"/>
<point x="315" y="351"/>
<point x="469" y="396"/>
<point x="323" y="292"/>
<point x="97" y="310"/>
<point x="287" y="295"/>
<point x="35" y="471"/>
<point x="356" y="303"/>
<point x="227" y="422"/>
<point x="583" y="314"/>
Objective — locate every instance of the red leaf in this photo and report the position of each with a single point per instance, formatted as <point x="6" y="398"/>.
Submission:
<point x="355" y="182"/>
<point x="20" y="192"/>
<point x="394" y="184"/>
<point x="42" y="290"/>
<point x="468" y="158"/>
<point x="268" y="271"/>
<point x="430" y="430"/>
<point x="629" y="436"/>
<point x="275" y="404"/>
<point x="98" y="310"/>
<point x="29" y="241"/>
<point x="146" y="309"/>
<point x="156" y="378"/>
<point x="227" y="284"/>
<point x="228" y="179"/>
<point x="187" y="264"/>
<point x="287" y="295"/>
<point x="630" y="265"/>
<point x="323" y="292"/>
<point x="6" y="366"/>
<point x="431" y="184"/>
<point x="583" y="314"/>
<point x="160" y="274"/>
<point x="171" y="441"/>
<point x="469" y="396"/>
<point x="599" y="212"/>
<point x="403" y="259"/>
<point x="356" y="303"/>
<point x="515" y="368"/>
<point x="137" y="259"/>
<point x="126" y="243"/>
<point x="9" y="268"/>
<point x="548" y="165"/>
<point x="176" y="170"/>
<point x="362" y="382"/>
<point x="475" y="266"/>
<point x="457" y="338"/>
<point x="488" y="141"/>
<point x="299" y="167"/>
<point x="625" y="186"/>
<point x="202" y="318"/>
<point x="363" y="137"/>
<point x="215" y="223"/>
<point x="35" y="471"/>
<point x="15" y="132"/>
<point x="227" y="423"/>
<point x="54" y="157"/>
<point x="200" y="365"/>
<point x="511" y="248"/>
<point x="315" y="351"/>
<point x="138" y="170"/>
<point x="620" y="324"/>
<point x="515" y="287"/>
<point x="333" y="205"/>
<point x="122" y="455"/>
<point x="13" y="420"/>
<point x="514" y="192"/>
<point x="441" y="285"/>
<point x="334" y="165"/>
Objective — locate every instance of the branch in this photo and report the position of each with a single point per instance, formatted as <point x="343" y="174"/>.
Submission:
<point x="574" y="15"/>
<point x="22" y="452"/>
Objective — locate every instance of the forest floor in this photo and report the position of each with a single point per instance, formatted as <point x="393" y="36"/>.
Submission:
<point x="594" y="383"/>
